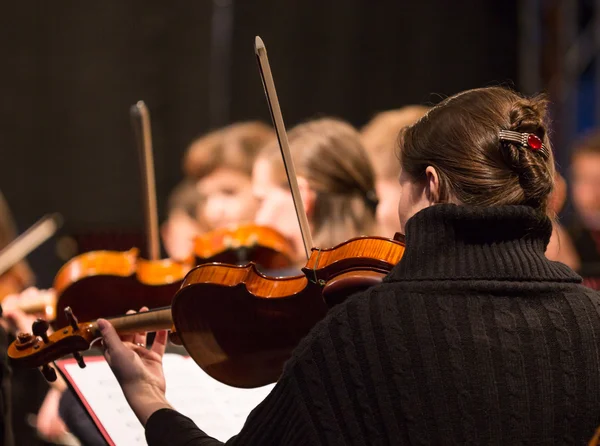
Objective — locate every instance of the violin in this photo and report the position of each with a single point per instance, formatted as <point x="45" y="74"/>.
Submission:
<point x="112" y="282"/>
<point x="238" y="325"/>
<point x="245" y="243"/>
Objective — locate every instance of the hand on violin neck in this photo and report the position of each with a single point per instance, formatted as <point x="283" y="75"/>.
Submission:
<point x="137" y="368"/>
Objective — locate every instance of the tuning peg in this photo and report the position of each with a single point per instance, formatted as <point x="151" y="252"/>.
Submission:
<point x="71" y="318"/>
<point x="79" y="359"/>
<point x="40" y="328"/>
<point x="24" y="338"/>
<point x="49" y="373"/>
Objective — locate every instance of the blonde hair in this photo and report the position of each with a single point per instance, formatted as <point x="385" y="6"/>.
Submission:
<point x="329" y="154"/>
<point x="235" y="146"/>
<point x="380" y="137"/>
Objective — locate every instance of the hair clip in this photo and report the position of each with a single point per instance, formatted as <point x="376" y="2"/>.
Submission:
<point x="529" y="140"/>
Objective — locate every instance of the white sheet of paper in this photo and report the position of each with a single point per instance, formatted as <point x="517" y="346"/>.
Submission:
<point x="218" y="409"/>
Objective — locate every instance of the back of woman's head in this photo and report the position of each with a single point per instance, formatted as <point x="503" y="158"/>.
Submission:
<point x="328" y="153"/>
<point x="460" y="139"/>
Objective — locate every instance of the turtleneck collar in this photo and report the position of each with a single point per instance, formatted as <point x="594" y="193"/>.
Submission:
<point x="451" y="242"/>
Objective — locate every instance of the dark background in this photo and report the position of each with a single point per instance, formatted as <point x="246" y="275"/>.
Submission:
<point x="71" y="70"/>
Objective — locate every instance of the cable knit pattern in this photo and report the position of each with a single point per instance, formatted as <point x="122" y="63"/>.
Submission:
<point x="473" y="338"/>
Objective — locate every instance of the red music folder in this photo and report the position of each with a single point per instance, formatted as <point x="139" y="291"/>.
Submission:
<point x="220" y="410"/>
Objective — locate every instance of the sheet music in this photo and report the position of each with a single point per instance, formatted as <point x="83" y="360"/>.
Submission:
<point x="218" y="409"/>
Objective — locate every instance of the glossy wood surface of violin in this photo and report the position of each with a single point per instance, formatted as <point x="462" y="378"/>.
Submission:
<point x="246" y="324"/>
<point x="245" y="243"/>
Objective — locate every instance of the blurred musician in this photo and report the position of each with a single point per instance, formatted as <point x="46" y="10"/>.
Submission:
<point x="475" y="337"/>
<point x="380" y="137"/>
<point x="217" y="189"/>
<point x="21" y="394"/>
<point x="335" y="179"/>
<point x="560" y="247"/>
<point x="183" y="220"/>
<point x="585" y="226"/>
<point x="20" y="276"/>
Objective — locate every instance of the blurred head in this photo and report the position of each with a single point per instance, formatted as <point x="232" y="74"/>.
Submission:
<point x="221" y="163"/>
<point x="453" y="154"/>
<point x="585" y="173"/>
<point x="335" y="178"/>
<point x="380" y="138"/>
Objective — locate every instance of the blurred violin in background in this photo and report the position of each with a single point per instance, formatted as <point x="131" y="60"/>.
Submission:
<point x="242" y="244"/>
<point x="15" y="275"/>
<point x="101" y="283"/>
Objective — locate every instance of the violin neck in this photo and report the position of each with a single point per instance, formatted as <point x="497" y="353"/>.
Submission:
<point x="158" y="319"/>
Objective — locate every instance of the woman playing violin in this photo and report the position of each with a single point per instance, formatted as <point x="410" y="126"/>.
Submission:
<point x="217" y="190"/>
<point x="475" y="337"/>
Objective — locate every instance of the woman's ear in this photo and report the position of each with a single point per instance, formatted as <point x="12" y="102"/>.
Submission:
<point x="432" y="188"/>
<point x="308" y="196"/>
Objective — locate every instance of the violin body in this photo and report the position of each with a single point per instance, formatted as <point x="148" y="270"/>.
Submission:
<point x="245" y="325"/>
<point x="242" y="244"/>
<point x="105" y="283"/>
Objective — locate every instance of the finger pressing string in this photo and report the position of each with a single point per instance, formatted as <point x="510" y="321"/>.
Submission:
<point x="110" y="337"/>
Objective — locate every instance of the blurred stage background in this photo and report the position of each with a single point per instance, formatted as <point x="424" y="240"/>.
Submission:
<point x="71" y="70"/>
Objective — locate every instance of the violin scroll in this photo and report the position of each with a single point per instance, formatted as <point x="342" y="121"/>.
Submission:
<point x="38" y="349"/>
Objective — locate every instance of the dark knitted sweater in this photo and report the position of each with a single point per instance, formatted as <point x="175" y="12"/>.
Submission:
<point x="473" y="338"/>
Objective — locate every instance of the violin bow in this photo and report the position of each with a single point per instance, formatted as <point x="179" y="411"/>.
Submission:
<point x="37" y="234"/>
<point x="269" y="85"/>
<point x="140" y="120"/>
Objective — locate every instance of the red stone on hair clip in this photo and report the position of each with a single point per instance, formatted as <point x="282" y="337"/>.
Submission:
<point x="534" y="142"/>
<point x="529" y="140"/>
